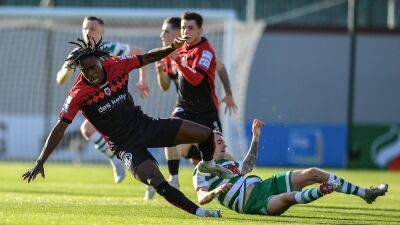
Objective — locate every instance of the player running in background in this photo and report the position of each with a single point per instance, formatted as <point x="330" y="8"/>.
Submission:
<point x="167" y="71"/>
<point x="195" y="63"/>
<point x="101" y="93"/>
<point x="272" y="196"/>
<point x="94" y="27"/>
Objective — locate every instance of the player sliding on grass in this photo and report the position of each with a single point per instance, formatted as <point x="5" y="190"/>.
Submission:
<point x="101" y="93"/>
<point x="273" y="196"/>
<point x="93" y="27"/>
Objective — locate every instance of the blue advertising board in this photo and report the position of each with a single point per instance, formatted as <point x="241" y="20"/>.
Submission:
<point x="302" y="145"/>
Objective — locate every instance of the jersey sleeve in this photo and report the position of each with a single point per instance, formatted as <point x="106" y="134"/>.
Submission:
<point x="203" y="60"/>
<point x="127" y="63"/>
<point x="200" y="181"/>
<point x="193" y="75"/>
<point x="70" y="108"/>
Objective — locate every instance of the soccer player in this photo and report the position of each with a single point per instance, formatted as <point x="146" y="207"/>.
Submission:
<point x="272" y="196"/>
<point x="94" y="27"/>
<point x="100" y="92"/>
<point x="167" y="71"/>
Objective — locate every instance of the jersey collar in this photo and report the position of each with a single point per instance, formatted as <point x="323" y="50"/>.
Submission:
<point x="203" y="39"/>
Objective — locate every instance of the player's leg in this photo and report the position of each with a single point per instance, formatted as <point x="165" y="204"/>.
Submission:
<point x="190" y="132"/>
<point x="278" y="204"/>
<point x="305" y="177"/>
<point x="330" y="182"/>
<point x="91" y="135"/>
<point x="172" y="155"/>
<point x="147" y="171"/>
<point x="192" y="153"/>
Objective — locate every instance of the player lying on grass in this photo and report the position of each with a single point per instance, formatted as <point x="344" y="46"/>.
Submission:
<point x="272" y="196"/>
<point x="101" y="93"/>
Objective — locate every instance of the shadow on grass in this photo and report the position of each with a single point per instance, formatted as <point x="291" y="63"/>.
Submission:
<point x="353" y="208"/>
<point x="61" y="193"/>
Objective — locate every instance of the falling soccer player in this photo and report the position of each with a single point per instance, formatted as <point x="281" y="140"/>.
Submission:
<point x="272" y="196"/>
<point x="93" y="27"/>
<point x="100" y="92"/>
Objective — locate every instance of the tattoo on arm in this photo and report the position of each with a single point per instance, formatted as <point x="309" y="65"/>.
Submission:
<point x="156" y="54"/>
<point x="251" y="157"/>
<point x="223" y="75"/>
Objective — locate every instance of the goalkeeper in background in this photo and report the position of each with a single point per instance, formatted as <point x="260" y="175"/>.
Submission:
<point x="272" y="196"/>
<point x="197" y="100"/>
<point x="94" y="27"/>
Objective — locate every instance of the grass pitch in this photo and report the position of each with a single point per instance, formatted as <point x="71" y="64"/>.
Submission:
<point x="86" y="194"/>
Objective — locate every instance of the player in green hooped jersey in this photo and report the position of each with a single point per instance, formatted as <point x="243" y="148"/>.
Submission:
<point x="272" y="196"/>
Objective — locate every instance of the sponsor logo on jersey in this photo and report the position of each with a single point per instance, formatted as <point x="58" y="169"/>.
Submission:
<point x="205" y="60"/>
<point x="66" y="104"/>
<point x="108" y="106"/>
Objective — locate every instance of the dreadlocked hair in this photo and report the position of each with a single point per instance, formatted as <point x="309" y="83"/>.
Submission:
<point x="86" y="50"/>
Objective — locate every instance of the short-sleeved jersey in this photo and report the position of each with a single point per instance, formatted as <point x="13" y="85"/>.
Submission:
<point x="196" y="74"/>
<point x="109" y="107"/>
<point x="234" y="198"/>
<point x="117" y="48"/>
<point x="169" y="67"/>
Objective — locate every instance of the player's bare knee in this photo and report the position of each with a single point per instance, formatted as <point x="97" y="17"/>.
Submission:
<point x="313" y="173"/>
<point x="87" y="130"/>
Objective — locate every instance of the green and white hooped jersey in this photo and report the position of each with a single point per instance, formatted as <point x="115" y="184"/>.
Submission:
<point x="117" y="48"/>
<point x="234" y="198"/>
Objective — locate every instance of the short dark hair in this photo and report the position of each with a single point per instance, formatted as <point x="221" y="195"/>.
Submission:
<point x="94" y="18"/>
<point x="193" y="16"/>
<point x="174" y="21"/>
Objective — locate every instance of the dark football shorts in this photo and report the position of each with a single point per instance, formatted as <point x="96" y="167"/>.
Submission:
<point x="213" y="122"/>
<point x="149" y="133"/>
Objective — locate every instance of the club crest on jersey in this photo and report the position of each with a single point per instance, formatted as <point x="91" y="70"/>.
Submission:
<point x="127" y="159"/>
<point x="107" y="91"/>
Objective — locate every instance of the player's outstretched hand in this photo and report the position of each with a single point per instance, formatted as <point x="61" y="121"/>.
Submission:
<point x="178" y="42"/>
<point x="143" y="88"/>
<point x="257" y="124"/>
<point x="222" y="188"/>
<point x="230" y="104"/>
<point x="31" y="174"/>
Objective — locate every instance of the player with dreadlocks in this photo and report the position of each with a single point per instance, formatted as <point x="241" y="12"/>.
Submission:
<point x="100" y="92"/>
<point x="94" y="28"/>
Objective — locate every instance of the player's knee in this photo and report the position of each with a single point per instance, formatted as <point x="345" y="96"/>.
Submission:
<point x="86" y="130"/>
<point x="313" y="173"/>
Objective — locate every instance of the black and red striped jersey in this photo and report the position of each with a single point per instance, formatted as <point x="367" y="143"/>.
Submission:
<point x="109" y="107"/>
<point x="196" y="75"/>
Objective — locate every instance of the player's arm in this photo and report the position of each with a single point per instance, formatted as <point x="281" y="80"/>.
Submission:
<point x="193" y="75"/>
<point x="228" y="99"/>
<point x="162" y="77"/>
<point x="142" y="86"/>
<point x="64" y="73"/>
<point x="52" y="141"/>
<point x="251" y="156"/>
<point x="204" y="196"/>
<point x="158" y="53"/>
